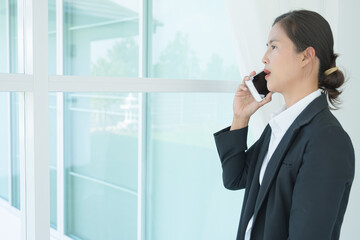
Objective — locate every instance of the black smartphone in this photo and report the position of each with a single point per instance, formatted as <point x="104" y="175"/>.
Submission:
<point x="257" y="86"/>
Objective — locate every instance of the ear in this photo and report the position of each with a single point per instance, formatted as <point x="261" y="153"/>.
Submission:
<point x="308" y="55"/>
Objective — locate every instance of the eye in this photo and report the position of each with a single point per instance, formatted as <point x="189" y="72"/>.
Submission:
<point x="273" y="47"/>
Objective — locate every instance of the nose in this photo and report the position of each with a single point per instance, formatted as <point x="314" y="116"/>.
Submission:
<point x="265" y="58"/>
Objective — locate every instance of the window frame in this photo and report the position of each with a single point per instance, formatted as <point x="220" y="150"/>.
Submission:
<point x="35" y="85"/>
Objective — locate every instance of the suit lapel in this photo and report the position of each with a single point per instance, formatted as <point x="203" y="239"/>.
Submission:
<point x="254" y="185"/>
<point x="305" y="117"/>
<point x="263" y="150"/>
<point x="274" y="164"/>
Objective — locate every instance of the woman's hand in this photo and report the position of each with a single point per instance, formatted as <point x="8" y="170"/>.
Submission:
<point x="245" y="105"/>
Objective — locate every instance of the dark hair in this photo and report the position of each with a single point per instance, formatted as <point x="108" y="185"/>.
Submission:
<point x="306" y="28"/>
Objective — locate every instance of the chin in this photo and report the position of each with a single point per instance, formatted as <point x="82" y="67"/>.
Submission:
<point x="270" y="87"/>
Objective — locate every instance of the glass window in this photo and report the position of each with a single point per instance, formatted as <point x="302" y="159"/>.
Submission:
<point x="100" y="130"/>
<point x="184" y="171"/>
<point x="52" y="36"/>
<point x="196" y="45"/>
<point x="53" y="127"/>
<point x="101" y="37"/>
<point x="4" y="145"/>
<point x="4" y="36"/>
<point x="101" y="165"/>
<point x="53" y="121"/>
<point x="15" y="148"/>
<point x="8" y="37"/>
<point x="10" y="148"/>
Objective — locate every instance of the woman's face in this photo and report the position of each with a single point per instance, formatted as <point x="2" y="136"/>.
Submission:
<point x="282" y="61"/>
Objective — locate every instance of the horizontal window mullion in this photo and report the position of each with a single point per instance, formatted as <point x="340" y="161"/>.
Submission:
<point x="16" y="83"/>
<point x="24" y="83"/>
<point x="120" y="84"/>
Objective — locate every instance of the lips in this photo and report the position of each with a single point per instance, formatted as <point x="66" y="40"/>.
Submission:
<point x="267" y="73"/>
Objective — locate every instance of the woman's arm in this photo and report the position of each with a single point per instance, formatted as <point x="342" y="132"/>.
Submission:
<point x="231" y="141"/>
<point x="231" y="146"/>
<point x="322" y="186"/>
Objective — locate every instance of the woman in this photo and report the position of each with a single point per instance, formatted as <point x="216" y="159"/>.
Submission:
<point x="297" y="176"/>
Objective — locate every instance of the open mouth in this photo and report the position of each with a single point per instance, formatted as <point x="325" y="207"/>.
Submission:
<point x="267" y="72"/>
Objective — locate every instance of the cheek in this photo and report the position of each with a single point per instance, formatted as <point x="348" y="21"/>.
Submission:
<point x="286" y="69"/>
<point x="274" y="85"/>
<point x="277" y="81"/>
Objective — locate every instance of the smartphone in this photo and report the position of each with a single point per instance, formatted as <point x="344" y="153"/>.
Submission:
<point x="257" y="86"/>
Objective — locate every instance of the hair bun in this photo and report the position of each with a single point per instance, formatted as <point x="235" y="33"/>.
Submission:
<point x="330" y="82"/>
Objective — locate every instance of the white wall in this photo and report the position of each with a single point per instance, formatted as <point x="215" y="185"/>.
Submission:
<point x="349" y="114"/>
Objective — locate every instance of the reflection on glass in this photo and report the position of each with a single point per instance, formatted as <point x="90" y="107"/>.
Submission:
<point x="184" y="172"/>
<point x="197" y="45"/>
<point x="100" y="135"/>
<point x="101" y="165"/>
<point x="101" y="37"/>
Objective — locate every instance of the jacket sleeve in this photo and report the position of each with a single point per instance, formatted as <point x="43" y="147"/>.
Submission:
<point x="322" y="186"/>
<point x="231" y="146"/>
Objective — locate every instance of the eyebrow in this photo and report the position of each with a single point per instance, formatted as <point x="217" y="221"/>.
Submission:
<point x="273" y="40"/>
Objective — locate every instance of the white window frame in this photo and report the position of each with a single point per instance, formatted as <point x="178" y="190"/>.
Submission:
<point x="36" y="83"/>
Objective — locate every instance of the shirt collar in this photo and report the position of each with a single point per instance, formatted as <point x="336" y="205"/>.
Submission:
<point x="284" y="117"/>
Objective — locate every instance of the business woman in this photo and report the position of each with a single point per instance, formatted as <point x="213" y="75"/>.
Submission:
<point x="298" y="174"/>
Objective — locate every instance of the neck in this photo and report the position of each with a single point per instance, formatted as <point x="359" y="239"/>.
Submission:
<point x="292" y="97"/>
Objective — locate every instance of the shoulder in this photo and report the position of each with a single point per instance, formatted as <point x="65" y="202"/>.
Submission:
<point x="321" y="121"/>
<point x="329" y="144"/>
<point x="325" y="128"/>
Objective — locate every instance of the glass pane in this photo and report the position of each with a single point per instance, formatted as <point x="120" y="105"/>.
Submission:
<point x="196" y="45"/>
<point x="53" y="198"/>
<point x="101" y="37"/>
<point x="4" y="36"/>
<point x="13" y="37"/>
<point x="184" y="170"/>
<point x="10" y="121"/>
<point x="52" y="36"/>
<point x="53" y="158"/>
<point x="8" y="37"/>
<point x="15" y="149"/>
<point x="10" y="148"/>
<point x="4" y="145"/>
<point x="100" y="140"/>
<point x="53" y="114"/>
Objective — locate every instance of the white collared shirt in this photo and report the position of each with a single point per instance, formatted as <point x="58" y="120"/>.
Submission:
<point x="280" y="123"/>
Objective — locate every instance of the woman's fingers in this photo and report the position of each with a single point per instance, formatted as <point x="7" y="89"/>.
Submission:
<point x="266" y="100"/>
<point x="243" y="87"/>
<point x="247" y="78"/>
<point x="268" y="97"/>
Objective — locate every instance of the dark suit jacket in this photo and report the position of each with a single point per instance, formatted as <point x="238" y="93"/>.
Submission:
<point x="306" y="186"/>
